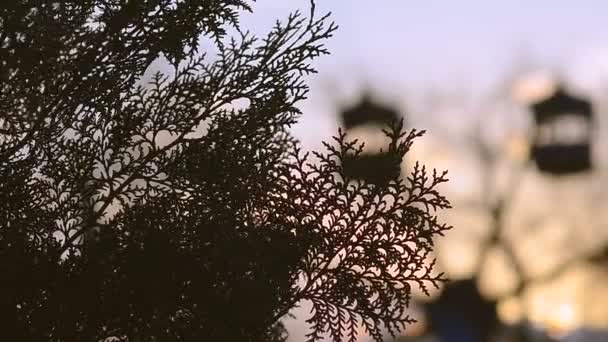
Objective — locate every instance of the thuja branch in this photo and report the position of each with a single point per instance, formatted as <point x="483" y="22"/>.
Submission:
<point x="376" y="239"/>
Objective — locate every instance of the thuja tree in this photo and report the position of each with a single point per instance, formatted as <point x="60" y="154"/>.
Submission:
<point x="180" y="208"/>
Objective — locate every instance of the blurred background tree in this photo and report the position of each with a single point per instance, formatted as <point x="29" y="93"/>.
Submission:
<point x="463" y="71"/>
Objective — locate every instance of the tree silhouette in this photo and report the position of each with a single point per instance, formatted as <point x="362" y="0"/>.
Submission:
<point x="162" y="211"/>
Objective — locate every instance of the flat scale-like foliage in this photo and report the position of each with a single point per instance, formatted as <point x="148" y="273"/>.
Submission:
<point x="162" y="211"/>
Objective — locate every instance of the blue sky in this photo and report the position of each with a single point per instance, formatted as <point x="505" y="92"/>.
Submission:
<point x="410" y="47"/>
<point x="432" y="40"/>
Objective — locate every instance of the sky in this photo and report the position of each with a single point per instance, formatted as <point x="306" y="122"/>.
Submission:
<point x="403" y="49"/>
<point x="432" y="41"/>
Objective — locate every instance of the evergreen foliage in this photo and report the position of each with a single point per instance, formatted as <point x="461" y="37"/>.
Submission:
<point x="162" y="211"/>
